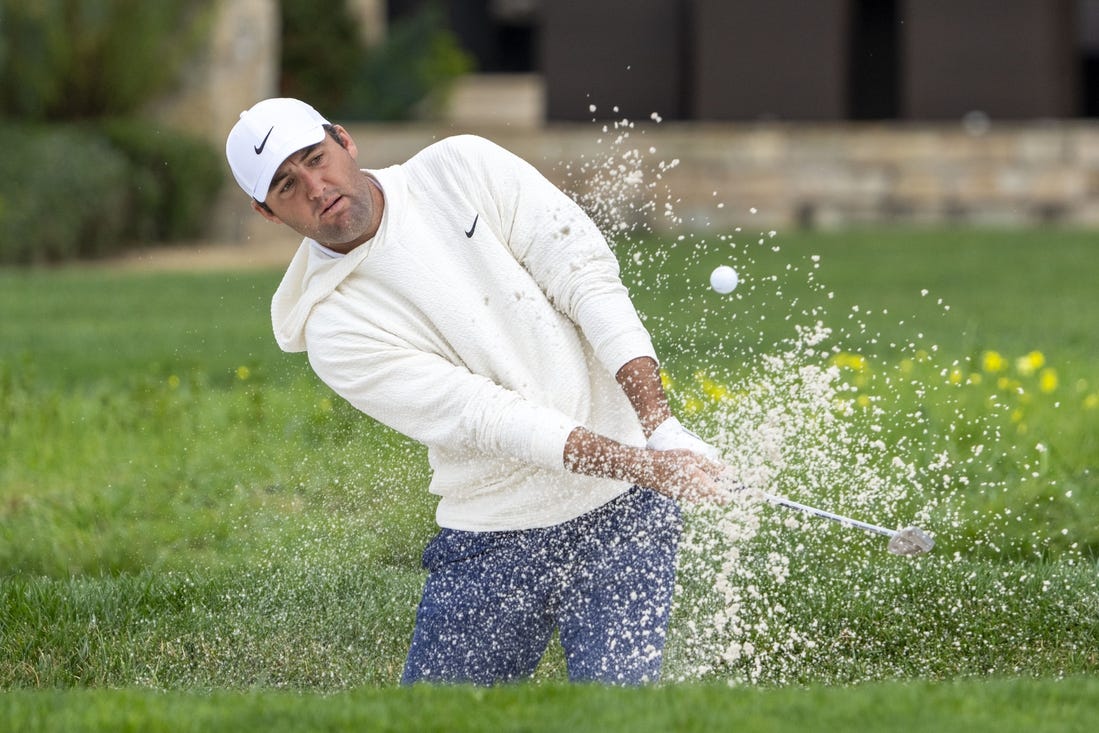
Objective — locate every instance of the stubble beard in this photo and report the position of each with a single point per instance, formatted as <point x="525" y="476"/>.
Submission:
<point x="354" y="223"/>
<point x="352" y="226"/>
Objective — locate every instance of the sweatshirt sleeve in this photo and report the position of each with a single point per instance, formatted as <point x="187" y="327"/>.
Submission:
<point x="564" y="251"/>
<point x="430" y="399"/>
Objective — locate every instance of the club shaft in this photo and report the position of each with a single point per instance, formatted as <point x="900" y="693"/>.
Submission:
<point x="783" y="501"/>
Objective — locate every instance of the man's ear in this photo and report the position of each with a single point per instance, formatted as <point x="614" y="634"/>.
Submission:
<point x="345" y="141"/>
<point x="265" y="212"/>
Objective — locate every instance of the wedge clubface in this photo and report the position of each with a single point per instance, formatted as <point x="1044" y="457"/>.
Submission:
<point x="908" y="541"/>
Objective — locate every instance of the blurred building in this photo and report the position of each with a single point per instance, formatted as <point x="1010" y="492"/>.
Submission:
<point x="790" y="59"/>
<point x="812" y="113"/>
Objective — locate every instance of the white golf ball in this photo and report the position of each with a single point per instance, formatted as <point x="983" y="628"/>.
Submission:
<point x="724" y="279"/>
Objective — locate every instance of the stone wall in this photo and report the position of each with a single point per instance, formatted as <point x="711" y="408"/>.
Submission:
<point x="805" y="175"/>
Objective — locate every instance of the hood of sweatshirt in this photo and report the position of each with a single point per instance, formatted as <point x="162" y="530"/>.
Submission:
<point x="313" y="274"/>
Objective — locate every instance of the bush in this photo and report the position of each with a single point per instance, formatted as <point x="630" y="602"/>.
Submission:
<point x="325" y="63"/>
<point x="176" y="179"/>
<point x="81" y="59"/>
<point x="81" y="191"/>
<point x="410" y="74"/>
<point x="87" y="188"/>
<point x="321" y="52"/>
<point x="64" y="193"/>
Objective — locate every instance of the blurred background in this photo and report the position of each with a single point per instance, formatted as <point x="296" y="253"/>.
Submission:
<point x="768" y="113"/>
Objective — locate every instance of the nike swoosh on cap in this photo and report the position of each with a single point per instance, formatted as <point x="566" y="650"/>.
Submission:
<point x="263" y="144"/>
<point x="474" y="227"/>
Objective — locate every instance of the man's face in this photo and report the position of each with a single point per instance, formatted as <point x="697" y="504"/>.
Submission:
<point x="320" y="193"/>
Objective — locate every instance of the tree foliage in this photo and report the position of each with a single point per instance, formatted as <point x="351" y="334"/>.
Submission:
<point x="407" y="75"/>
<point x="80" y="59"/>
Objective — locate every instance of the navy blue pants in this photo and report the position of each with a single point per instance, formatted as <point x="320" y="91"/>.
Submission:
<point x="604" y="581"/>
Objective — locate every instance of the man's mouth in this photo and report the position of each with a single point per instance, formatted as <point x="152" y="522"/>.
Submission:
<point x="331" y="205"/>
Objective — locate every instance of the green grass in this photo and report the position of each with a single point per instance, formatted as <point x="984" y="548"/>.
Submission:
<point x="79" y="327"/>
<point x="995" y="706"/>
<point x="184" y="508"/>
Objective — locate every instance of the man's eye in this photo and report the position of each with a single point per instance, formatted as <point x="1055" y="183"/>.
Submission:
<point x="316" y="158"/>
<point x="287" y="186"/>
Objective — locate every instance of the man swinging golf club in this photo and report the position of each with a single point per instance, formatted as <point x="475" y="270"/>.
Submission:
<point x="463" y="300"/>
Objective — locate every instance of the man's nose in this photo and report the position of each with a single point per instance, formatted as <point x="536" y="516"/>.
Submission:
<point x="314" y="184"/>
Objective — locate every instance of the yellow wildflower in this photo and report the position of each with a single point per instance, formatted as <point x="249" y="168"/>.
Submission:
<point x="992" y="362"/>
<point x="243" y="372"/>
<point x="855" y="362"/>
<point x="713" y="389"/>
<point x="1091" y="401"/>
<point x="955" y="376"/>
<point x="1030" y="363"/>
<point x="665" y="380"/>
<point x="1047" y="380"/>
<point x="975" y="378"/>
<point x="692" y="405"/>
<point x="173" y="382"/>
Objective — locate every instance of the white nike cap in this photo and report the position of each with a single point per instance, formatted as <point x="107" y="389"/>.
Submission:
<point x="265" y="136"/>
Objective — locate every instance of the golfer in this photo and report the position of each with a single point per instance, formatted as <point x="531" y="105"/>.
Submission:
<point x="463" y="300"/>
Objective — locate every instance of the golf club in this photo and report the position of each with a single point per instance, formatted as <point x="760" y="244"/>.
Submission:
<point x="908" y="541"/>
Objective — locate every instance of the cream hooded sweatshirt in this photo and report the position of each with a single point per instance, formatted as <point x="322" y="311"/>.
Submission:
<point x="485" y="319"/>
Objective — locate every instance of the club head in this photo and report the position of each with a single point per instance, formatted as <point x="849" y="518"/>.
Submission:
<point x="910" y="541"/>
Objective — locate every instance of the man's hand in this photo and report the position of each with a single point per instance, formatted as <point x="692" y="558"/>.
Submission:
<point x="684" y="474"/>
<point x="671" y="435"/>
<point x="680" y="474"/>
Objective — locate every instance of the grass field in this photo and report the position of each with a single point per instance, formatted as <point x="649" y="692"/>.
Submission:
<point x="185" y="509"/>
<point x="974" y="706"/>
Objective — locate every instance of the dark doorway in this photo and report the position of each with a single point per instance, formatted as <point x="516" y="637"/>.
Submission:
<point x="874" y="60"/>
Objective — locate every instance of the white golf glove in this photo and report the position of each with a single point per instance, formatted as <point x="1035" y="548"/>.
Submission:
<point x="671" y="435"/>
